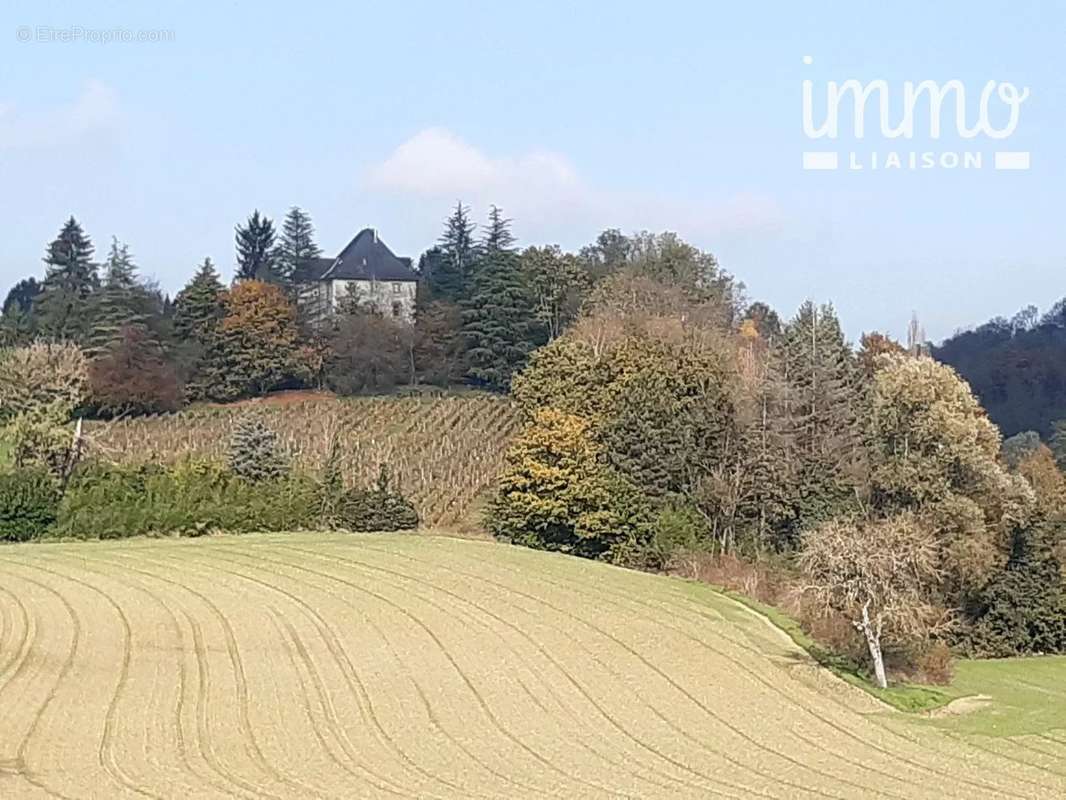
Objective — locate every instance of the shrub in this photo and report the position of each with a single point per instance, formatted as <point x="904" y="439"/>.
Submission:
<point x="376" y="509"/>
<point x="28" y="502"/>
<point x="254" y="452"/>
<point x="191" y="499"/>
<point x="679" y="535"/>
<point x="39" y="438"/>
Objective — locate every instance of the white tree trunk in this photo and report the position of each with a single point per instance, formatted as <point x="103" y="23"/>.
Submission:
<point x="873" y="642"/>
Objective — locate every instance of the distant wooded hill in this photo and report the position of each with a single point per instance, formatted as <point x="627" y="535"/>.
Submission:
<point x="1016" y="366"/>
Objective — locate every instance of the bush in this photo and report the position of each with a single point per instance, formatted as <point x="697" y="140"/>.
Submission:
<point x="41" y="374"/>
<point x="679" y="536"/>
<point x="28" y="503"/>
<point x="254" y="452"/>
<point x="191" y="499"/>
<point x="376" y="509"/>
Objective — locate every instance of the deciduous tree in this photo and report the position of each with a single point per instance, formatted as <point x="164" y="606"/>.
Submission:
<point x="882" y="575"/>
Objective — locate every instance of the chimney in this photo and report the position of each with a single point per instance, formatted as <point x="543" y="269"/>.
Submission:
<point x="375" y="230"/>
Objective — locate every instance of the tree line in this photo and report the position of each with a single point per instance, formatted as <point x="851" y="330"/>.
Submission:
<point x="672" y="418"/>
<point x="483" y="306"/>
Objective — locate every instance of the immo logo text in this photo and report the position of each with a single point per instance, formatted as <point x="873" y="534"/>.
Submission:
<point x="970" y="118"/>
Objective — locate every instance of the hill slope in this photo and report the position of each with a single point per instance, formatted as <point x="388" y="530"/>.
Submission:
<point x="401" y="666"/>
<point x="443" y="451"/>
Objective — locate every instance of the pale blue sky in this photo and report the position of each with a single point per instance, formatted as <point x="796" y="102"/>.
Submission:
<point x="572" y="116"/>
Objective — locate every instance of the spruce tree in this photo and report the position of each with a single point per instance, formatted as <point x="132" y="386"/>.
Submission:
<point x="198" y="307"/>
<point x="500" y="327"/>
<point x="254" y="452"/>
<point x="255" y="242"/>
<point x="120" y="303"/>
<point x="70" y="278"/>
<point x="296" y="246"/>
<point x="820" y="404"/>
<point x="452" y="270"/>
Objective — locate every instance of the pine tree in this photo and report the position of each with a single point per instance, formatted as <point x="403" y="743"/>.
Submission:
<point x="819" y="411"/>
<point x="198" y="307"/>
<point x="296" y="246"/>
<point x="70" y="278"/>
<point x="500" y="327"/>
<point x="451" y="273"/>
<point x="256" y="249"/>
<point x="120" y="304"/>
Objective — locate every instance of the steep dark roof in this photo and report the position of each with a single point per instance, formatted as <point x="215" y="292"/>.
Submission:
<point x="312" y="269"/>
<point x="367" y="258"/>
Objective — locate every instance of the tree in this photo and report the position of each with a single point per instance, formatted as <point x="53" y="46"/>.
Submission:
<point x="439" y="351"/>
<point x="1020" y="447"/>
<point x="254" y="452"/>
<point x="557" y="284"/>
<point x="367" y="352"/>
<point x="297" y="244"/>
<point x="256" y="249"/>
<point x="21" y="296"/>
<point x="449" y="271"/>
<point x="819" y="411"/>
<point x="881" y="575"/>
<point x="500" y="328"/>
<point x="933" y="451"/>
<point x="554" y="494"/>
<point x="256" y="346"/>
<point x="17" y="324"/>
<point x="70" y="278"/>
<point x="119" y="304"/>
<point x="42" y="374"/>
<point x="199" y="306"/>
<point x="1023" y="608"/>
<point x="132" y="377"/>
<point x="872" y="346"/>
<point x="610" y="252"/>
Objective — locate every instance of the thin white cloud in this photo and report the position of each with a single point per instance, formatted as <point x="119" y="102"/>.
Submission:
<point x="96" y="108"/>
<point x="544" y="191"/>
<point x="435" y="162"/>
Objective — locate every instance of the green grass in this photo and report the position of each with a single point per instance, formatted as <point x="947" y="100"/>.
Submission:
<point x="1028" y="696"/>
<point x="905" y="697"/>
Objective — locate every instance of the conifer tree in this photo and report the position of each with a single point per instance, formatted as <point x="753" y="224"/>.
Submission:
<point x="500" y="327"/>
<point x="820" y="407"/>
<point x="198" y="307"/>
<point x="70" y="278"/>
<point x="254" y="452"/>
<point x="451" y="273"/>
<point x="296" y="246"/>
<point x="17" y="323"/>
<point x="120" y="303"/>
<point x="255" y="242"/>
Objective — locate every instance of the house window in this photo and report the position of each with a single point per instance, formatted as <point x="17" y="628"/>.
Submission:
<point x="397" y="287"/>
<point x="397" y="309"/>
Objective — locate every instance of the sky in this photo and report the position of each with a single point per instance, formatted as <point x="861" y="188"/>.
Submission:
<point x="572" y="117"/>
